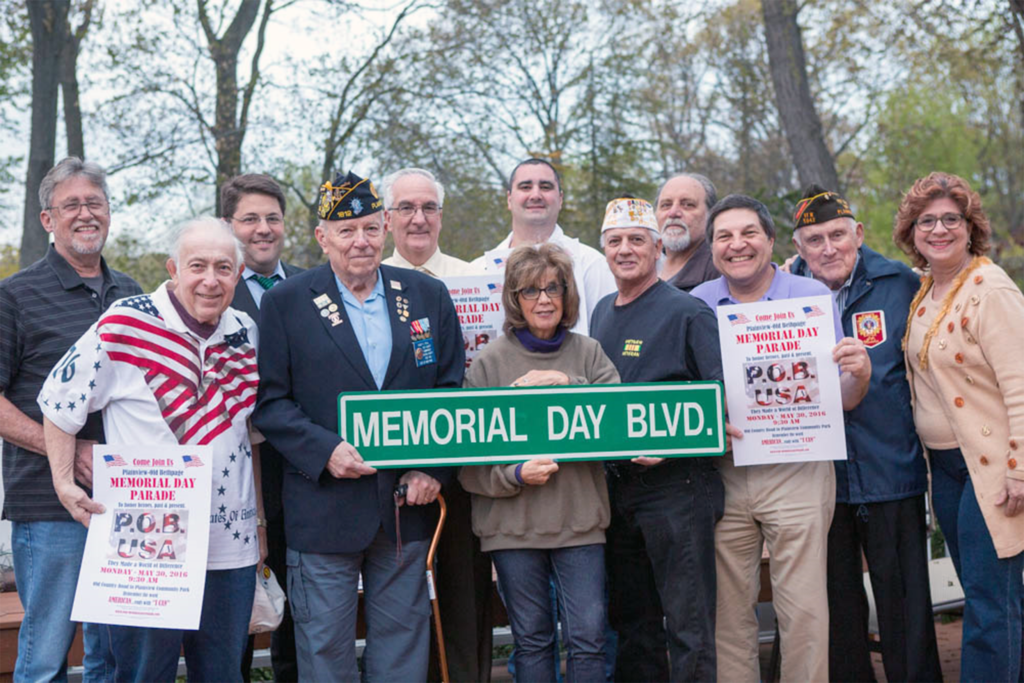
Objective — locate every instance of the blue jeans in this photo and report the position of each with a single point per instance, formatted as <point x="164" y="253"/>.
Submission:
<point x="994" y="590"/>
<point x="213" y="653"/>
<point x="47" y="557"/>
<point x="661" y="568"/>
<point x="578" y="573"/>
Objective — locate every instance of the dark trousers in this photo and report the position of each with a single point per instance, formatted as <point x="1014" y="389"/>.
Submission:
<point x="282" y="641"/>
<point x="892" y="536"/>
<point x="463" y="595"/>
<point x="661" y="568"/>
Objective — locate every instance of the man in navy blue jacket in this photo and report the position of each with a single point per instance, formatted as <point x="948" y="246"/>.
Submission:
<point x="347" y="326"/>
<point x="880" y="487"/>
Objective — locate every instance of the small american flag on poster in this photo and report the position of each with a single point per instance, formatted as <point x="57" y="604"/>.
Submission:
<point x="192" y="461"/>
<point x="114" y="461"/>
<point x="738" y="319"/>
<point x="811" y="311"/>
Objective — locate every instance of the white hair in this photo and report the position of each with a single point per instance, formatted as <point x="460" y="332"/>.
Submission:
<point x="388" y="184"/>
<point x="206" y="225"/>
<point x="655" y="235"/>
<point x="850" y="223"/>
<point x="322" y="223"/>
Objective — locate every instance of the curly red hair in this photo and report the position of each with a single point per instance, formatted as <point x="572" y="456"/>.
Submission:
<point x="935" y="186"/>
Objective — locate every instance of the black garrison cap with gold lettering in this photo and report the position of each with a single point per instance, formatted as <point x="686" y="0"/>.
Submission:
<point x="348" y="196"/>
<point x="820" y="206"/>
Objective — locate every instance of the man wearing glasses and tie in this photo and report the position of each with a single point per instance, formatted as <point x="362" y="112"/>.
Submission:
<point x="253" y="205"/>
<point x="413" y="201"/>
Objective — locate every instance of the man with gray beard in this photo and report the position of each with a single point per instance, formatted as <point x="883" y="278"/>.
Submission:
<point x="681" y="209"/>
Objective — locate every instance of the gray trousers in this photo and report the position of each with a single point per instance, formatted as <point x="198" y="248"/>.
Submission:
<point x="323" y="591"/>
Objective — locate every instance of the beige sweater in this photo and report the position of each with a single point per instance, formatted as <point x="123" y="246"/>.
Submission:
<point x="974" y="361"/>
<point x="572" y="508"/>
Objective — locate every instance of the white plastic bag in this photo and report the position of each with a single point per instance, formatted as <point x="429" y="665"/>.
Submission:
<point x="268" y="605"/>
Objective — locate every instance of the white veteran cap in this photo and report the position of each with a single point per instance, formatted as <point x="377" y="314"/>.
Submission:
<point x="629" y="212"/>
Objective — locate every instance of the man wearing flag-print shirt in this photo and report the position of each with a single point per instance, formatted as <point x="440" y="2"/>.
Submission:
<point x="177" y="366"/>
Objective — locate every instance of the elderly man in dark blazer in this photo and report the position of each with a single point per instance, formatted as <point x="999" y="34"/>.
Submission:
<point x="254" y="206"/>
<point x="346" y="327"/>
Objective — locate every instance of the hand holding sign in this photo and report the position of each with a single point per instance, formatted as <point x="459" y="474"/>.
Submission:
<point x="536" y="472"/>
<point x="542" y="378"/>
<point x="78" y="503"/>
<point x="346" y="463"/>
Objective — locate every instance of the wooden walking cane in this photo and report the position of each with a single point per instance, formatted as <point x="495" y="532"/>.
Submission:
<point x="430" y="588"/>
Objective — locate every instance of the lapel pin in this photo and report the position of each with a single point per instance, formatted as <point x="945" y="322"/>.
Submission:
<point x="395" y="284"/>
<point x="322" y="300"/>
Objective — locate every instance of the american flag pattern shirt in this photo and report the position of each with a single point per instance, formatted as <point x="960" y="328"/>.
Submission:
<point x="158" y="383"/>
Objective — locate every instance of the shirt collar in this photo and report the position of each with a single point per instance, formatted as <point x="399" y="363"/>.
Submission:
<point x="723" y="296"/>
<point x="557" y="236"/>
<point x="248" y="272"/>
<point x="162" y="300"/>
<point x="431" y="266"/>
<point x="350" y="298"/>
<point x="68" y="276"/>
<point x="849" y="281"/>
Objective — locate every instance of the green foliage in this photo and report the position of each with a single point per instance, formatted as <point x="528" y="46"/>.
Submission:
<point x="8" y="260"/>
<point x="919" y="130"/>
<point x="130" y="255"/>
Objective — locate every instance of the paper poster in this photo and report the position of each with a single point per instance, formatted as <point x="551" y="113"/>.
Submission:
<point x="145" y="556"/>
<point x="781" y="384"/>
<point x="477" y="301"/>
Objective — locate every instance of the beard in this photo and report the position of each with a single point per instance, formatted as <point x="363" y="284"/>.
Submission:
<point x="676" y="240"/>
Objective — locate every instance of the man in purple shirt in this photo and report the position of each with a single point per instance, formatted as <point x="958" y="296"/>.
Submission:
<point x="788" y="505"/>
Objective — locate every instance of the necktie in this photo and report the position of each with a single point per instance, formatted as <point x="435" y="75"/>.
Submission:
<point x="266" y="282"/>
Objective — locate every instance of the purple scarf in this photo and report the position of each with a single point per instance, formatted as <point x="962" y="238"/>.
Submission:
<point x="538" y="345"/>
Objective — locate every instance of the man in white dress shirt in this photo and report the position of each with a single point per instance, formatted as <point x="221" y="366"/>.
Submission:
<point x="534" y="199"/>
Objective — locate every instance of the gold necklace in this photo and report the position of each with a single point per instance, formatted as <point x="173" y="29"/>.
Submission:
<point x="947" y="302"/>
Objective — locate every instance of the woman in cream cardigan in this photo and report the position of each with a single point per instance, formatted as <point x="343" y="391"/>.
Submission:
<point x="963" y="349"/>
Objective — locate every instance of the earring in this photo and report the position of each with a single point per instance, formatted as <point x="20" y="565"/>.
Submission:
<point x="969" y="243"/>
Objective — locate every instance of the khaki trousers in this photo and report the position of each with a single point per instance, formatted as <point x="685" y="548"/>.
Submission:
<point x="790" y="507"/>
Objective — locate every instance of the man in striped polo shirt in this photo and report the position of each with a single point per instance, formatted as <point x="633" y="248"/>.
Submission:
<point x="44" y="309"/>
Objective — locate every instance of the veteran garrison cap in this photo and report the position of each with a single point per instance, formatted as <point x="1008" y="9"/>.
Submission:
<point x="820" y="206"/>
<point x="348" y="196"/>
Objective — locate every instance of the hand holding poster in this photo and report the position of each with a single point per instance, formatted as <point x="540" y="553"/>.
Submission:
<point x="145" y="556"/>
<point x="782" y="386"/>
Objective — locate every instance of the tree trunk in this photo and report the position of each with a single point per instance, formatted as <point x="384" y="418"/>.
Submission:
<point x="48" y="20"/>
<point x="69" y="81"/>
<point x="69" y="90"/>
<point x="229" y="126"/>
<point x="800" y="120"/>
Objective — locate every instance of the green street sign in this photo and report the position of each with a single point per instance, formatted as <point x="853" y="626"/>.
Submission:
<point x="487" y="426"/>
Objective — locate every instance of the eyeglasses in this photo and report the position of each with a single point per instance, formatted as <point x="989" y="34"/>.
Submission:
<point x="409" y="210"/>
<point x="952" y="221"/>
<point x="554" y="291"/>
<point x="252" y="220"/>
<point x="97" y="207"/>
